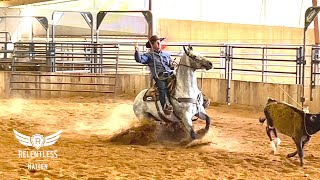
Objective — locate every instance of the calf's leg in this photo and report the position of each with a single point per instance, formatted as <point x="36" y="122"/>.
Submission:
<point x="303" y="143"/>
<point x="268" y="130"/>
<point x="273" y="144"/>
<point x="300" y="151"/>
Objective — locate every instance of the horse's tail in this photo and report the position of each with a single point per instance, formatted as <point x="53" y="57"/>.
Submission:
<point x="262" y="119"/>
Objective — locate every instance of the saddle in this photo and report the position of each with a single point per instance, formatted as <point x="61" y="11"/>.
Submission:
<point x="152" y="93"/>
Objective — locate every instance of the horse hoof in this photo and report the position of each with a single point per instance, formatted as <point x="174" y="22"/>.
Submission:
<point x="193" y="135"/>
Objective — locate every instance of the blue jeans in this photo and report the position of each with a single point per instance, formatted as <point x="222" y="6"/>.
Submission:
<point x="162" y="89"/>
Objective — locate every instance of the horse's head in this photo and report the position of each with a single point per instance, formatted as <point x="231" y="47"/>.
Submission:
<point x="194" y="60"/>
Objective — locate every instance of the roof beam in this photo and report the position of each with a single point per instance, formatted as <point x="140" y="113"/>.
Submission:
<point x="316" y="25"/>
<point x="10" y="3"/>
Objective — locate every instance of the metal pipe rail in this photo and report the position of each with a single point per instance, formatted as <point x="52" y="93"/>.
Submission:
<point x="231" y="61"/>
<point x="74" y="51"/>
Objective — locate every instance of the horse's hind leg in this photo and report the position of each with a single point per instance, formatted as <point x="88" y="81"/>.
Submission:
<point x="143" y="117"/>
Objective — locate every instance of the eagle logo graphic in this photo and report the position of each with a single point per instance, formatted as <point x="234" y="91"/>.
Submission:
<point x="37" y="140"/>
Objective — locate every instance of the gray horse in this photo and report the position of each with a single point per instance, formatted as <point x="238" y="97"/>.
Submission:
<point x="188" y="99"/>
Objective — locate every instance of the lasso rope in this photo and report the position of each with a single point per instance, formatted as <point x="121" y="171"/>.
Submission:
<point x="304" y="113"/>
<point x="280" y="88"/>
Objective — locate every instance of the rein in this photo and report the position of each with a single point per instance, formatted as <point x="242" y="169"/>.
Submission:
<point x="185" y="66"/>
<point x="305" y="125"/>
<point x="201" y="74"/>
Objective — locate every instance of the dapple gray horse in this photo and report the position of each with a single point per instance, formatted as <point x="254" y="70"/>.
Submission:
<point x="188" y="99"/>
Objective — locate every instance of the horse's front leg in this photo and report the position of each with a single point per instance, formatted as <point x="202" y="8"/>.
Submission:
<point x="187" y="121"/>
<point x="193" y="133"/>
<point x="204" y="116"/>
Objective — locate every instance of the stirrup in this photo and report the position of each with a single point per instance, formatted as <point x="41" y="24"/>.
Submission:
<point x="206" y="104"/>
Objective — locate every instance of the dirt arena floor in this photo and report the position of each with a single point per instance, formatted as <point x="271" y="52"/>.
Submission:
<point x="236" y="147"/>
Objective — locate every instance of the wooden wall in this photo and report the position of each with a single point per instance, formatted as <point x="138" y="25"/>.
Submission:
<point x="216" y="32"/>
<point x="49" y="85"/>
<point x="4" y="84"/>
<point x="249" y="93"/>
<point x="127" y="84"/>
<point x="242" y="92"/>
<point x="131" y="85"/>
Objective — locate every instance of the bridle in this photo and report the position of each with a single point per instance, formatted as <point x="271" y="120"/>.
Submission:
<point x="191" y="57"/>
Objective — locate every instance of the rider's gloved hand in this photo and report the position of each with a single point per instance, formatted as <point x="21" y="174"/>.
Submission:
<point x="173" y="64"/>
<point x="136" y="47"/>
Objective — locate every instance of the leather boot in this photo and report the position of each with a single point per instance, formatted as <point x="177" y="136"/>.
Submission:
<point x="206" y="103"/>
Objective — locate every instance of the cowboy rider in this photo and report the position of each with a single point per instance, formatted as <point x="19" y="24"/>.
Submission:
<point x="161" y="68"/>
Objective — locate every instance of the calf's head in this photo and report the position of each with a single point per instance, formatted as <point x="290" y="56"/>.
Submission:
<point x="312" y="123"/>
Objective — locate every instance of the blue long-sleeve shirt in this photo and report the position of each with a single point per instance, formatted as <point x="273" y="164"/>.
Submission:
<point x="157" y="62"/>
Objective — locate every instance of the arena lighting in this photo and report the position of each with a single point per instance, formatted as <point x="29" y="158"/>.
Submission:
<point x="44" y="3"/>
<point x="52" y="2"/>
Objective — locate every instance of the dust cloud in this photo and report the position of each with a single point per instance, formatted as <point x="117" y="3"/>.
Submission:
<point x="103" y="139"/>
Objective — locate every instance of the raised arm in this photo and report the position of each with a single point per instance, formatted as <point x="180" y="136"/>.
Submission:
<point x="141" y="58"/>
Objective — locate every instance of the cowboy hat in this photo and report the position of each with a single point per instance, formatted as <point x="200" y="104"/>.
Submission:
<point x="153" y="39"/>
